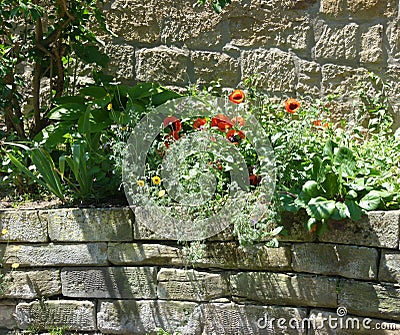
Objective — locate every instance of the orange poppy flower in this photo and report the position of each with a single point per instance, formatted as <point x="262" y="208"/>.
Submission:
<point x="326" y="125"/>
<point x="235" y="136"/>
<point x="222" y="122"/>
<point x="199" y="123"/>
<point x="317" y="123"/>
<point x="238" y="120"/>
<point x="237" y="96"/>
<point x="254" y="180"/>
<point x="172" y="121"/>
<point x="292" y="105"/>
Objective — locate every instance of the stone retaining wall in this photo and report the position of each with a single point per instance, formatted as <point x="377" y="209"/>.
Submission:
<point x="296" y="47"/>
<point x="99" y="271"/>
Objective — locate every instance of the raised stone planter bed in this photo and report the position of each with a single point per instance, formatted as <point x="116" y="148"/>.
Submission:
<point x="98" y="271"/>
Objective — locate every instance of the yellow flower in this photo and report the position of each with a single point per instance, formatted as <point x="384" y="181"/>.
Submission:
<point x="123" y="128"/>
<point x="109" y="106"/>
<point x="4" y="231"/>
<point x="140" y="183"/>
<point x="14" y="266"/>
<point x="16" y="247"/>
<point x="161" y="193"/>
<point x="156" y="180"/>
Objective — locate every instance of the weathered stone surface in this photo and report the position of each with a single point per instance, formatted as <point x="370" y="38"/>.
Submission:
<point x="275" y="69"/>
<point x="335" y="42"/>
<point x="349" y="325"/>
<point x="309" y="78"/>
<point x="389" y="268"/>
<point x="283" y="289"/>
<point x="191" y="285"/>
<point x="393" y="35"/>
<point x="209" y="66"/>
<point x="369" y="8"/>
<point x="122" y="61"/>
<point x="163" y="65"/>
<point x="254" y="257"/>
<point x="94" y="224"/>
<point x="335" y="259"/>
<point x="370" y="299"/>
<point x="393" y="91"/>
<point x="144" y="317"/>
<point x="7" y="310"/>
<point x="371" y="45"/>
<point x="77" y="315"/>
<point x="32" y="284"/>
<point x="332" y="7"/>
<point x="119" y="282"/>
<point x="56" y="254"/>
<point x="23" y="226"/>
<point x="144" y="254"/>
<point x="294" y="226"/>
<point x="134" y="22"/>
<point x="250" y="319"/>
<point x="378" y="229"/>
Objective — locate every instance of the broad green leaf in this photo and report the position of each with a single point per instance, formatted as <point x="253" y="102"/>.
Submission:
<point x="341" y="211"/>
<point x="163" y="97"/>
<point x="344" y="158"/>
<point x="320" y="208"/>
<point x="329" y="148"/>
<point x="70" y="99"/>
<point x="331" y="185"/>
<point x="67" y="112"/>
<point x="371" y="201"/>
<point x="84" y="123"/>
<point x="311" y="188"/>
<point x="91" y="54"/>
<point x="96" y="92"/>
<point x="354" y="210"/>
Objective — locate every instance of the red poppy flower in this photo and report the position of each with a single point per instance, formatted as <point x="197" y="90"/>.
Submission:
<point x="254" y="180"/>
<point x="292" y="105"/>
<point x="222" y="122"/>
<point x="235" y="136"/>
<point x="171" y="137"/>
<point x="172" y="121"/>
<point x="238" y="120"/>
<point x="317" y="123"/>
<point x="237" y="96"/>
<point x="199" y="123"/>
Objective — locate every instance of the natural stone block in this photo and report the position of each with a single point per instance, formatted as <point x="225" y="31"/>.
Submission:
<point x="371" y="45"/>
<point x="335" y="259"/>
<point x="250" y="319"/>
<point x="377" y="229"/>
<point x="92" y="224"/>
<point x="348" y="324"/>
<point x="144" y="317"/>
<point x="191" y="285"/>
<point x="275" y="69"/>
<point x="283" y="289"/>
<point x="23" y="226"/>
<point x="32" y="284"/>
<point x="120" y="282"/>
<point x="134" y="22"/>
<point x="7" y="318"/>
<point x="332" y="7"/>
<point x="335" y="42"/>
<point x="309" y="78"/>
<point x="76" y="315"/>
<point x="389" y="269"/>
<point x="294" y="224"/>
<point x="370" y="8"/>
<point x="393" y="35"/>
<point x="163" y="65"/>
<point x="56" y="254"/>
<point x="254" y="257"/>
<point x="370" y="299"/>
<point x="144" y="254"/>
<point x="209" y="66"/>
<point x="122" y="61"/>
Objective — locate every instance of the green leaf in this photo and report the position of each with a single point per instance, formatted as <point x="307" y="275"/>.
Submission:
<point x="354" y="210"/>
<point x="331" y="185"/>
<point x="320" y="208"/>
<point x="329" y="148"/>
<point x="160" y="98"/>
<point x="96" y="92"/>
<point x="67" y="112"/>
<point x="344" y="158"/>
<point x="341" y="211"/>
<point x="84" y="123"/>
<point x="311" y="188"/>
<point x="371" y="200"/>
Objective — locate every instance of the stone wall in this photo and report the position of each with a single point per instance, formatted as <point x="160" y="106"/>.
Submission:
<point x="100" y="271"/>
<point x="296" y="47"/>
